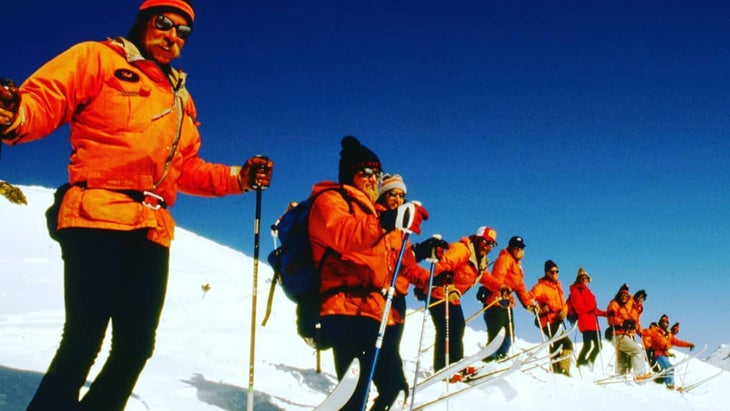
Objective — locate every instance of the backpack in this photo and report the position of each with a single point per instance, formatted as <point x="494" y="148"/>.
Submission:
<point x="294" y="269"/>
<point x="572" y="316"/>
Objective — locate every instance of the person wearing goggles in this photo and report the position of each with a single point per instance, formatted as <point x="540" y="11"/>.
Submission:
<point x="135" y="141"/>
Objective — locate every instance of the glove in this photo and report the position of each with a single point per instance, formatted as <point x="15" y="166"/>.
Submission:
<point x="505" y="292"/>
<point x="454" y="296"/>
<point x="255" y="173"/>
<point x="407" y="217"/>
<point x="443" y="278"/>
<point x="434" y="246"/>
<point x="419" y="294"/>
<point x="482" y="293"/>
<point x="9" y="104"/>
<point x="504" y="302"/>
<point x="691" y="347"/>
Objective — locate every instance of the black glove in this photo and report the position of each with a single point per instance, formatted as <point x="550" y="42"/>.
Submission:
<point x="431" y="247"/>
<point x="419" y="294"/>
<point x="443" y="278"/>
<point x="482" y="293"/>
<point x="691" y="347"/>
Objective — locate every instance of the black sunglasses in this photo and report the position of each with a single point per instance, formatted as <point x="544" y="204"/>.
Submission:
<point x="165" y="24"/>
<point x="394" y="194"/>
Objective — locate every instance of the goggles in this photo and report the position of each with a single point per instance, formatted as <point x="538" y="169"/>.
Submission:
<point x="164" y="23"/>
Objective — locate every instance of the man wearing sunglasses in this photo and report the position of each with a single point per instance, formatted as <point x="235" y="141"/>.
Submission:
<point x="135" y="143"/>
<point x="353" y="246"/>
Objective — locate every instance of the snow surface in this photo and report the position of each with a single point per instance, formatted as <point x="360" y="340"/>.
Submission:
<point x="201" y="360"/>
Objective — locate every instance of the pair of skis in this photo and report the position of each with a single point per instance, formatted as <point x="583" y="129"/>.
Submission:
<point x="632" y="377"/>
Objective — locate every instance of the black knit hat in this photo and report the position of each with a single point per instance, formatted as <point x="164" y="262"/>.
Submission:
<point x="640" y="293"/>
<point x="354" y="157"/>
<point x="549" y="265"/>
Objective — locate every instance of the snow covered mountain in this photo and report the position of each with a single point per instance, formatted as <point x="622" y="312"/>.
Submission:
<point x="721" y="357"/>
<point x="202" y="355"/>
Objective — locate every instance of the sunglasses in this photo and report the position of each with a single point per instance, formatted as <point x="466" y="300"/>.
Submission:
<point x="394" y="194"/>
<point x="164" y="23"/>
<point x="554" y="271"/>
<point x="368" y="172"/>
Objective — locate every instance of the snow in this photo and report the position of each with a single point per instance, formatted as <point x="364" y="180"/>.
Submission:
<point x="201" y="360"/>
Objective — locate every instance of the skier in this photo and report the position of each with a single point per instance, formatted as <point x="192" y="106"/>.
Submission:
<point x="507" y="277"/>
<point x="552" y="309"/>
<point x="391" y="195"/>
<point x="458" y="270"/>
<point x="660" y="342"/>
<point x="350" y="243"/>
<point x="135" y="146"/>
<point x="584" y="303"/>
<point x="624" y="320"/>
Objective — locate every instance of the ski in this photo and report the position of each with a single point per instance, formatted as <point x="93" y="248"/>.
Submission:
<point x="537" y="347"/>
<point x="691" y="386"/>
<point x="343" y="390"/>
<point x="635" y="377"/>
<point x="446" y="372"/>
<point x="495" y="375"/>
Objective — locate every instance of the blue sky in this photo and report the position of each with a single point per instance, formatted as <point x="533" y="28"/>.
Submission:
<point x="598" y="133"/>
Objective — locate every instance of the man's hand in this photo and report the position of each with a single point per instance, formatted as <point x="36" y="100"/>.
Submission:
<point x="256" y="173"/>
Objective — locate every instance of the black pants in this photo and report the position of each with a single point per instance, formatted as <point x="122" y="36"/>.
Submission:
<point x="591" y="348"/>
<point x="108" y="275"/>
<point x="455" y="332"/>
<point x="497" y="319"/>
<point x="354" y="337"/>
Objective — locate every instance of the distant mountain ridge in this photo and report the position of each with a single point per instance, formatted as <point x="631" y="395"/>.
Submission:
<point x="721" y="357"/>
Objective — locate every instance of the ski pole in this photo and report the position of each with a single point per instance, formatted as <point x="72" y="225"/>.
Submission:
<point x="481" y="310"/>
<point x="432" y="259"/>
<point x="599" y="345"/>
<point x="384" y="320"/>
<point x="274" y="278"/>
<point x="257" y="223"/>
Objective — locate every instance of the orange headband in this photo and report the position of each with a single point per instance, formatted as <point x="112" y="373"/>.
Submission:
<point x="176" y="4"/>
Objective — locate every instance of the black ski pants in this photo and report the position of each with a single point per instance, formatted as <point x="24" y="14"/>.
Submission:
<point x="591" y="348"/>
<point x="455" y="330"/>
<point x="116" y="276"/>
<point x="354" y="337"/>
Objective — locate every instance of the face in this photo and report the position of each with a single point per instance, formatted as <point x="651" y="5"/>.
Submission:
<point x="394" y="198"/>
<point x="664" y="323"/>
<point x="553" y="273"/>
<point x="518" y="253"/>
<point x="160" y="45"/>
<point x="483" y="247"/>
<point x="366" y="180"/>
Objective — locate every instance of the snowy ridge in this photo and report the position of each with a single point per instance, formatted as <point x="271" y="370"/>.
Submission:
<point x="721" y="357"/>
<point x="201" y="359"/>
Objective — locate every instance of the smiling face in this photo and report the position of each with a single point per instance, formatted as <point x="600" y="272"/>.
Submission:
<point x="163" y="46"/>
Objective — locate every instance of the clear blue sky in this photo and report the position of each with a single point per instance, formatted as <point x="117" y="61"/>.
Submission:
<point x="598" y="133"/>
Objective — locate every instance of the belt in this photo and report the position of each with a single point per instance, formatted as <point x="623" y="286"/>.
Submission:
<point x="146" y="198"/>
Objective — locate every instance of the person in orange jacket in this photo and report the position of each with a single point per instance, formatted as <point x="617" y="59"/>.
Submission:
<point x="392" y="192"/>
<point x="623" y="318"/>
<point x="456" y="272"/>
<point x="351" y="243"/>
<point x="506" y="277"/>
<point x="586" y="308"/>
<point x="135" y="141"/>
<point x="552" y="310"/>
<point x="660" y="342"/>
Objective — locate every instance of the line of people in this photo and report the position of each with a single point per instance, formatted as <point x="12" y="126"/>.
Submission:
<point x="356" y="241"/>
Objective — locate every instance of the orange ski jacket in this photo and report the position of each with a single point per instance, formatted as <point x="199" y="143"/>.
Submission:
<point x="346" y="232"/>
<point x="507" y="272"/>
<point x="460" y="259"/>
<point x="132" y="128"/>
<point x="550" y="299"/>
<point x="618" y="315"/>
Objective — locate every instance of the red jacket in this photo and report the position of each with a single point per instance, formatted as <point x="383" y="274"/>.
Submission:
<point x="126" y="119"/>
<point x="585" y="306"/>
<point x="507" y="272"/>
